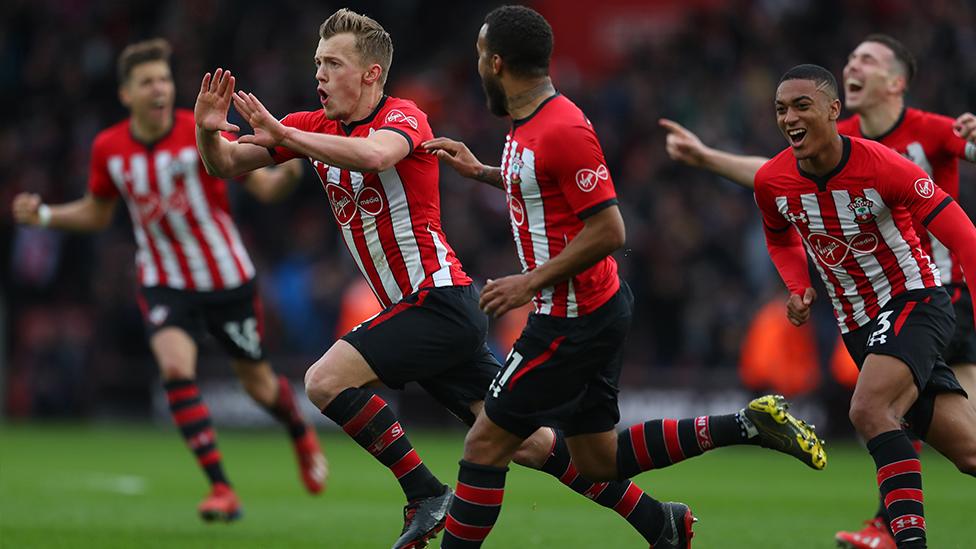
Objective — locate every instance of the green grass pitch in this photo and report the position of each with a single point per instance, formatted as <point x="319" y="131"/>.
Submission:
<point x="137" y="487"/>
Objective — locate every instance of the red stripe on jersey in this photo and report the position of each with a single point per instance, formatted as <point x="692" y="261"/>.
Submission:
<point x="181" y="260"/>
<point x="886" y="256"/>
<point x="671" y="442"/>
<point x="391" y="248"/>
<point x="905" y="224"/>
<point x="464" y="531"/>
<point x="532" y="364"/>
<point x="479" y="496"/>
<point x="629" y="500"/>
<point x="639" y="444"/>
<point x="208" y="255"/>
<point x="899" y="494"/>
<point x="794" y="204"/>
<point x="831" y="221"/>
<point x="223" y="220"/>
<point x="903" y="316"/>
<point x="902" y="467"/>
<point x="364" y="415"/>
<point x="406" y="464"/>
<point x="362" y="250"/>
<point x="153" y="251"/>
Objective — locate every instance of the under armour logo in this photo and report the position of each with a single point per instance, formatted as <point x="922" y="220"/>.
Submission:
<point x="800" y="217"/>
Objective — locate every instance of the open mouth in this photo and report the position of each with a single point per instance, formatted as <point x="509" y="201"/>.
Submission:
<point x="796" y="136"/>
<point x="323" y="97"/>
<point x="853" y="85"/>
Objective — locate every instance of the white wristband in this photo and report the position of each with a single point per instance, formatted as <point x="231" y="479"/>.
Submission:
<point x="43" y="215"/>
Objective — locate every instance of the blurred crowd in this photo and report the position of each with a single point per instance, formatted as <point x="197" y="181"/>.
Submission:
<point x="73" y="339"/>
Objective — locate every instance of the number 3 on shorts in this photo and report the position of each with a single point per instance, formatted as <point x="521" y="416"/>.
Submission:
<point x="511" y="364"/>
<point x="878" y="336"/>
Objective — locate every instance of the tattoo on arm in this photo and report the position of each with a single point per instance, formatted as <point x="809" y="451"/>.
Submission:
<point x="491" y="176"/>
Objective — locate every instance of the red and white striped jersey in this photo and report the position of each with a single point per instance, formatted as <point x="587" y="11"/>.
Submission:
<point x="927" y="140"/>
<point x="555" y="176"/>
<point x="856" y="224"/>
<point x="390" y="221"/>
<point x="180" y="214"/>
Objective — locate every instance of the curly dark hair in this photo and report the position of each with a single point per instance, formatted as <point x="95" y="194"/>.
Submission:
<point x="522" y="38"/>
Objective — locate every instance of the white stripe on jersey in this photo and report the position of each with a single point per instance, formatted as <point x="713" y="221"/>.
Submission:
<point x="196" y="261"/>
<point x="144" y="257"/>
<point x="782" y="204"/>
<point x="443" y="275"/>
<point x="572" y="308"/>
<point x="892" y="236"/>
<point x="333" y="177"/>
<point x="868" y="262"/>
<point x="511" y="146"/>
<point x="374" y="244"/>
<point x="403" y="228"/>
<point x="206" y="219"/>
<point x="535" y="215"/>
<point x="139" y="171"/>
<point x="942" y="259"/>
<point x="850" y="293"/>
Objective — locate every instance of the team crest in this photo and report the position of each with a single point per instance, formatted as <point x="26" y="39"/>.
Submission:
<point x="516" y="170"/>
<point x="861" y="208"/>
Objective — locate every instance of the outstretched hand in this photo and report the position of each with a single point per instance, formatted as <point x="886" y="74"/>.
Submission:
<point x="965" y="127"/>
<point x="798" y="307"/>
<point x="213" y="102"/>
<point x="456" y="155"/>
<point x="682" y="144"/>
<point x="268" y="130"/>
<point x="504" y="294"/>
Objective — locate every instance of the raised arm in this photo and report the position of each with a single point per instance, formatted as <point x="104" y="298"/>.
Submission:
<point x="457" y="155"/>
<point x="274" y="182"/>
<point x="87" y="214"/>
<point x="376" y="153"/>
<point x="685" y="147"/>
<point x="221" y="156"/>
<point x="602" y="234"/>
<point x="965" y="127"/>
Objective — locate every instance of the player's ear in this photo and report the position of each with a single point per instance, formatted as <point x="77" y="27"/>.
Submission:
<point x="834" y="109"/>
<point x="496" y="64"/>
<point x="373" y="74"/>
<point x="897" y="84"/>
<point x="124" y="96"/>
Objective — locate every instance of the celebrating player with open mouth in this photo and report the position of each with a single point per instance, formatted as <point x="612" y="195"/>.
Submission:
<point x="195" y="274"/>
<point x="850" y="203"/>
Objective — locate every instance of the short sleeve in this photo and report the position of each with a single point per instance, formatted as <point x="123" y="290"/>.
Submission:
<point x="409" y="121"/>
<point x="573" y="159"/>
<point x="99" y="180"/>
<point x="300" y="120"/>
<point x="908" y="186"/>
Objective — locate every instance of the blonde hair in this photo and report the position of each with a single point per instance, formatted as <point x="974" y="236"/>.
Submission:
<point x="157" y="49"/>
<point x="372" y="42"/>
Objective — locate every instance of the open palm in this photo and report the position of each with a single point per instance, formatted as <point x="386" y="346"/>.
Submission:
<point x="213" y="102"/>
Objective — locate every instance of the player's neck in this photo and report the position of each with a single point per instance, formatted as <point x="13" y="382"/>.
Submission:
<point x="826" y="160"/>
<point x="525" y="97"/>
<point x="147" y="132"/>
<point x="367" y="104"/>
<point x="880" y="119"/>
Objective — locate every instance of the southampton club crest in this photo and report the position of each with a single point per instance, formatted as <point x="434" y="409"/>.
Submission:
<point x="861" y="208"/>
<point x="516" y="171"/>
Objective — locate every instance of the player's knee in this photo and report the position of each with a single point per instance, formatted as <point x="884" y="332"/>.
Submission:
<point x="534" y="451"/>
<point x="869" y="418"/>
<point x="320" y="386"/>
<point x="172" y="369"/>
<point x="966" y="464"/>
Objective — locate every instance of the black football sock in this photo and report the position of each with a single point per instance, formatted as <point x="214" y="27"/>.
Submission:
<point x="660" y="443"/>
<point x="193" y="419"/>
<point x="900" y="483"/>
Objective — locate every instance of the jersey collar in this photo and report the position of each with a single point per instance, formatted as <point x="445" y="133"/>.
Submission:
<point x="520" y="121"/>
<point x="821" y="180"/>
<point x="889" y="131"/>
<point x="353" y="125"/>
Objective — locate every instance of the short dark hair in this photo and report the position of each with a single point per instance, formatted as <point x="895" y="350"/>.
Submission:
<point x="157" y="49"/>
<point x="522" y="38"/>
<point x="903" y="55"/>
<point x="372" y="41"/>
<point x="819" y="75"/>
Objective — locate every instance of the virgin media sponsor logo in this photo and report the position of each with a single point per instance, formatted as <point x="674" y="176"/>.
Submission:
<point x="832" y="250"/>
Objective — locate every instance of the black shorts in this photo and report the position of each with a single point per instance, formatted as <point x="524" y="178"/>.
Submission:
<point x="962" y="346"/>
<point x="564" y="372"/>
<point x="435" y="337"/>
<point x="915" y="328"/>
<point x="233" y="317"/>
